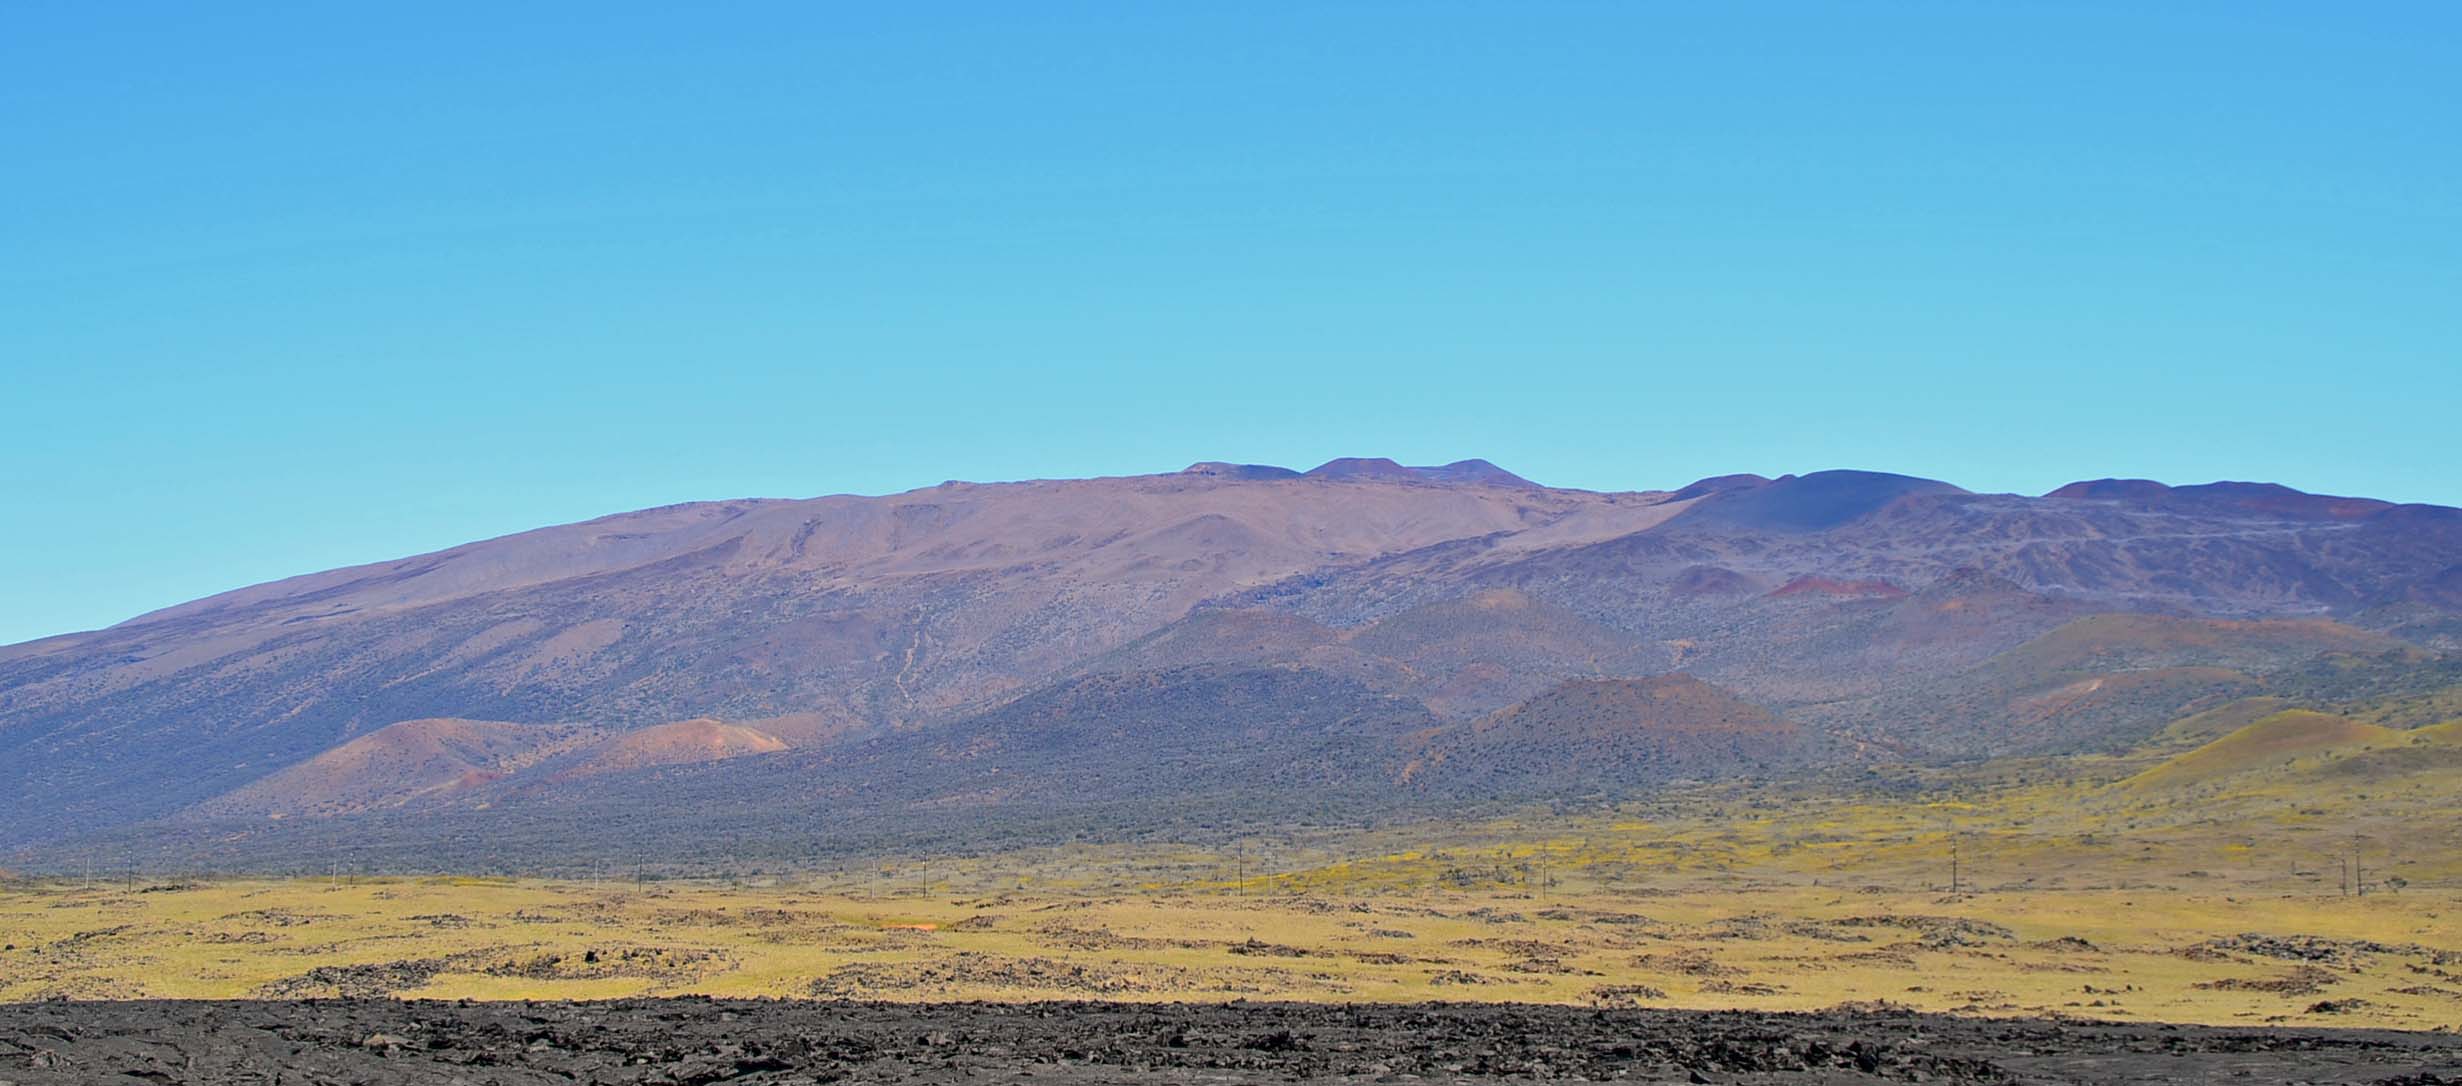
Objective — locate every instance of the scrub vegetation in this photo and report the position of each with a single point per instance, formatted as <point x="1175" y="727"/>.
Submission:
<point x="2296" y="867"/>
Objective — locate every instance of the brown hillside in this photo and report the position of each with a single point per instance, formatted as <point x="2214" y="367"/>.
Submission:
<point x="685" y="742"/>
<point x="414" y="761"/>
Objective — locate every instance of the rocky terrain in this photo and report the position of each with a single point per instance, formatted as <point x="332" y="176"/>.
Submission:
<point x="780" y="1042"/>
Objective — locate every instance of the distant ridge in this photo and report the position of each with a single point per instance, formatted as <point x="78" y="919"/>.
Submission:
<point x="1355" y="468"/>
<point x="1221" y="470"/>
<point x="2271" y="499"/>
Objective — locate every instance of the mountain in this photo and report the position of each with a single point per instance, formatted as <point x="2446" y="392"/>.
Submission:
<point x="800" y="660"/>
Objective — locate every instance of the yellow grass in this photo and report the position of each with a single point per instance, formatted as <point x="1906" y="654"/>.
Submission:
<point x="1799" y="947"/>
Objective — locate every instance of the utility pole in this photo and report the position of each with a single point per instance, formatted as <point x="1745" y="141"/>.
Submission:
<point x="1950" y="830"/>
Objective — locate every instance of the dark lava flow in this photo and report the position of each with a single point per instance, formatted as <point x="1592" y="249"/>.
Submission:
<point x="695" y="1040"/>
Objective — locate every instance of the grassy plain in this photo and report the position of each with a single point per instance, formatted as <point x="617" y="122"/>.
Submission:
<point x="2280" y="867"/>
<point x="2124" y="955"/>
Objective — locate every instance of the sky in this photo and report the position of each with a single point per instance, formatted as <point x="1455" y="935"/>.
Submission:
<point x="288" y="287"/>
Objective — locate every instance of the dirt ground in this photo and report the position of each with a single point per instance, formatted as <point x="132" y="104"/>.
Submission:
<point x="695" y="1040"/>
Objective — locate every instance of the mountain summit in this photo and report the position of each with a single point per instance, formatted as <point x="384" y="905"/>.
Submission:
<point x="1478" y="472"/>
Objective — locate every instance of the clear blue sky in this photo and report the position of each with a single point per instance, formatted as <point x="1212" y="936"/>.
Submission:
<point x="284" y="287"/>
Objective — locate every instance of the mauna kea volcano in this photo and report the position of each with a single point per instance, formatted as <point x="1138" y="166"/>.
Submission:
<point x="1240" y="639"/>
